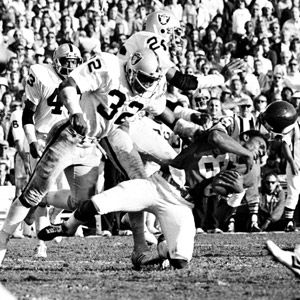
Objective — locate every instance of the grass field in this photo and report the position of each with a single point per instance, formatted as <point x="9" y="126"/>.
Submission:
<point x="227" y="266"/>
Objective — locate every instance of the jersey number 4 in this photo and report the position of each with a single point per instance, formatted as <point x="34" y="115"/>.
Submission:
<point x="52" y="101"/>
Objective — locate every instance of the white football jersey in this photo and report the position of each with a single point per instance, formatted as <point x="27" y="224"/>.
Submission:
<point x="42" y="89"/>
<point x="17" y="128"/>
<point x="145" y="39"/>
<point x="107" y="100"/>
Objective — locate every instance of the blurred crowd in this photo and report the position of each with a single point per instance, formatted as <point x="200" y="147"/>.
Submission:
<point x="266" y="34"/>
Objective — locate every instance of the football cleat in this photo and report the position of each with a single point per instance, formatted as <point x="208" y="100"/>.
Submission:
<point x="125" y="232"/>
<point x="142" y="259"/>
<point x="215" y="230"/>
<point x="50" y="232"/>
<point x="41" y="251"/>
<point x="199" y="230"/>
<point x="290" y="227"/>
<point x="254" y="227"/>
<point x="290" y="259"/>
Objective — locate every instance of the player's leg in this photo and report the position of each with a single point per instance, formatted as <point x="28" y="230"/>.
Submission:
<point x="125" y="157"/>
<point x="51" y="164"/>
<point x="288" y="258"/>
<point x="177" y="224"/>
<point x="293" y="190"/>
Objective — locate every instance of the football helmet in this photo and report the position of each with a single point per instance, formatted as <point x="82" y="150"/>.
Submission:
<point x="279" y="117"/>
<point x="143" y="72"/>
<point x="165" y="24"/>
<point x="66" y="58"/>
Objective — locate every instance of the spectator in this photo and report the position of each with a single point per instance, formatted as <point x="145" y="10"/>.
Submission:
<point x="292" y="25"/>
<point x="51" y="44"/>
<point x="282" y="46"/>
<point x="271" y="204"/>
<point x="286" y="94"/>
<point x="259" y="54"/>
<point x="277" y="84"/>
<point x="264" y="80"/>
<point x="295" y="100"/>
<point x="260" y="104"/>
<point x="275" y="33"/>
<point x="268" y="52"/>
<point x="292" y="78"/>
<point x="246" y="43"/>
<point x="4" y="173"/>
<point x="239" y="17"/>
<point x="295" y="48"/>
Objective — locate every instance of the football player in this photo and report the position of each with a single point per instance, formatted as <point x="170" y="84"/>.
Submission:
<point x="156" y="195"/>
<point x="100" y="95"/>
<point x="162" y="33"/>
<point x="282" y="118"/>
<point x="41" y="112"/>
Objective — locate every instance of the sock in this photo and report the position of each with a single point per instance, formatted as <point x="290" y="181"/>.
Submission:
<point x="288" y="214"/>
<point x="41" y="218"/>
<point x="58" y="199"/>
<point x="138" y="228"/>
<point x="16" y="214"/>
<point x="254" y="218"/>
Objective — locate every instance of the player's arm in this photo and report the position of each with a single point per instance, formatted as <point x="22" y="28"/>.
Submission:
<point x="33" y="90"/>
<point x="191" y="82"/>
<point x="289" y="157"/>
<point x="227" y="144"/>
<point x="69" y="97"/>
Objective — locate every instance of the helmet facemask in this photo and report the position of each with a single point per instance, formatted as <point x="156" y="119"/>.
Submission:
<point x="65" y="65"/>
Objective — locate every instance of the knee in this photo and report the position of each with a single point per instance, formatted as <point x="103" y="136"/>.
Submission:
<point x="178" y="263"/>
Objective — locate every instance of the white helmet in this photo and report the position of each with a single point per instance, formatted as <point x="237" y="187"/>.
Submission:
<point x="143" y="72"/>
<point x="165" y="24"/>
<point x="66" y="58"/>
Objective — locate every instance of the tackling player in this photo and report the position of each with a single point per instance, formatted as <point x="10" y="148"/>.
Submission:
<point x="108" y="95"/>
<point x="162" y="31"/>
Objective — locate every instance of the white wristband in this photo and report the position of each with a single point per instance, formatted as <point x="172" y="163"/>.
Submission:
<point x="30" y="133"/>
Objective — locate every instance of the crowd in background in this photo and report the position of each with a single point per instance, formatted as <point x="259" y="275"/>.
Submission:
<point x="266" y="34"/>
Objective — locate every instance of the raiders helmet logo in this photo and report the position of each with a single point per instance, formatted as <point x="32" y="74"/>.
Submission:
<point x="163" y="19"/>
<point x="136" y="58"/>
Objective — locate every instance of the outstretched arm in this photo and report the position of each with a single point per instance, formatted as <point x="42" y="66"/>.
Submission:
<point x="226" y="143"/>
<point x="192" y="82"/>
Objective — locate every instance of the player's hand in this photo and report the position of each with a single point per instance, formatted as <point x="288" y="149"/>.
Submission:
<point x="228" y="182"/>
<point x="34" y="150"/>
<point x="79" y="124"/>
<point x="233" y="67"/>
<point x="202" y="119"/>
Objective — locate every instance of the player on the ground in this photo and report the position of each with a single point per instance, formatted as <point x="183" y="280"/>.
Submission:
<point x="108" y="95"/>
<point x="158" y="196"/>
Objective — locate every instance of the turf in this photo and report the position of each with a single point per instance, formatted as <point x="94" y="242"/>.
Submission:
<point x="225" y="266"/>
